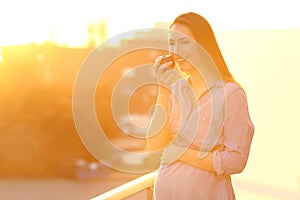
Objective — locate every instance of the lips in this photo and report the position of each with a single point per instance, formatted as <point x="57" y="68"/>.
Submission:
<point x="180" y="59"/>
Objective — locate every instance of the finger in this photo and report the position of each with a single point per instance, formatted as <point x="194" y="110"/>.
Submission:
<point x="155" y="67"/>
<point x="157" y="64"/>
<point x="164" y="67"/>
<point x="158" y="59"/>
<point x="163" y="72"/>
<point x="166" y="75"/>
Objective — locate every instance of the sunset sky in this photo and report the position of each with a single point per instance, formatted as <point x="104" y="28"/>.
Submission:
<point x="66" y="22"/>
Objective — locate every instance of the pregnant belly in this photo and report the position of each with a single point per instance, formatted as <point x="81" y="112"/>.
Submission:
<point x="182" y="181"/>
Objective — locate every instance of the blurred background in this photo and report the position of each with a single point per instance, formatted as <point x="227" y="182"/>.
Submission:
<point x="44" y="43"/>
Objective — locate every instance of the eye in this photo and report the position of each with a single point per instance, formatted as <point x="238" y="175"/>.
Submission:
<point x="185" y="41"/>
<point x="171" y="43"/>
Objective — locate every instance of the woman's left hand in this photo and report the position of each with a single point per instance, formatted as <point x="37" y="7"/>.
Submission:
<point x="171" y="153"/>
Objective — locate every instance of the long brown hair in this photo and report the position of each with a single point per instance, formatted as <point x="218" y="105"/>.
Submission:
<point x="205" y="36"/>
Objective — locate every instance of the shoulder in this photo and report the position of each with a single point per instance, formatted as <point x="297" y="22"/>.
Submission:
<point x="235" y="96"/>
<point x="234" y="93"/>
<point x="233" y="88"/>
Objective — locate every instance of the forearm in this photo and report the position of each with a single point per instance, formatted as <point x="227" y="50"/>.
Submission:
<point x="191" y="157"/>
<point x="157" y="134"/>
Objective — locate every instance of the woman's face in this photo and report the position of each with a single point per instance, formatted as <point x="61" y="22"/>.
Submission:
<point x="183" y="45"/>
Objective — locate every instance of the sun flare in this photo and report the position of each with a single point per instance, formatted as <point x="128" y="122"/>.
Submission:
<point x="59" y="22"/>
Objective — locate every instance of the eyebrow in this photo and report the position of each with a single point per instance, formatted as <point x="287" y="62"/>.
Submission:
<point x="182" y="38"/>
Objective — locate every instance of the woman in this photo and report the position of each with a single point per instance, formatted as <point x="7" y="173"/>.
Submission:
<point x="209" y="131"/>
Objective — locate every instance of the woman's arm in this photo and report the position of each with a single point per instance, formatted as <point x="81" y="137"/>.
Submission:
<point x="238" y="133"/>
<point x="191" y="157"/>
<point x="179" y="153"/>
<point x="157" y="134"/>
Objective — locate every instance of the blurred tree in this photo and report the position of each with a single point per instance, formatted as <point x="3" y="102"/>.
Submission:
<point x="97" y="33"/>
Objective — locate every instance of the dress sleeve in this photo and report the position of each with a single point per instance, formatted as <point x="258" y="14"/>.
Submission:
<point x="238" y="134"/>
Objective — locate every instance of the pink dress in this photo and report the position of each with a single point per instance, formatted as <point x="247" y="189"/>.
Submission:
<point x="230" y="150"/>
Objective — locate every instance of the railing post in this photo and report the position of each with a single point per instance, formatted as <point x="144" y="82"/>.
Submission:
<point x="149" y="193"/>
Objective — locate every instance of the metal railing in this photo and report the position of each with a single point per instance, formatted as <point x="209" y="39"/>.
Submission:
<point x="144" y="182"/>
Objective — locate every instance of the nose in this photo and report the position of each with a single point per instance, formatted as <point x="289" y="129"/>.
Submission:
<point x="175" y="49"/>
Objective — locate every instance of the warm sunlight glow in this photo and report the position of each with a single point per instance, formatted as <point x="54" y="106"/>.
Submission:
<point x="44" y="43"/>
<point x="1" y="55"/>
<point x="60" y="22"/>
<point x="66" y="23"/>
